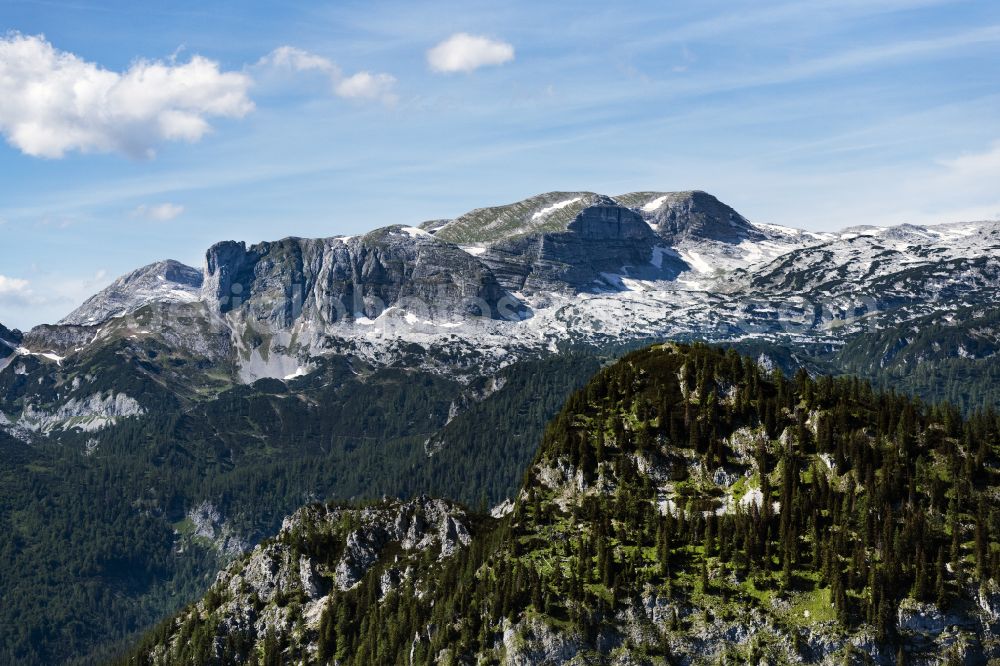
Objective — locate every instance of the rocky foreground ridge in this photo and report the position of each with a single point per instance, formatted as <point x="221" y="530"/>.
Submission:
<point x="289" y="586"/>
<point x="686" y="507"/>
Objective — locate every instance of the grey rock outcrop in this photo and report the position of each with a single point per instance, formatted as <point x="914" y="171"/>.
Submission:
<point x="679" y="216"/>
<point x="88" y="414"/>
<point x="289" y="581"/>
<point x="58" y="338"/>
<point x="534" y="642"/>
<point x="989" y="601"/>
<point x="162" y="282"/>
<point x="416" y="526"/>
<point x="604" y="238"/>
<point x="342" y="279"/>
<point x="9" y="342"/>
<point x="209" y="524"/>
<point x="920" y="618"/>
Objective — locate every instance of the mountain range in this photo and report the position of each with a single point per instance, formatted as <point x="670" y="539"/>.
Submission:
<point x="176" y="418"/>
<point x="564" y="267"/>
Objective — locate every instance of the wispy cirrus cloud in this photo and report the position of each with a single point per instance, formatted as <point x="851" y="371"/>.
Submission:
<point x="51" y="293"/>
<point x="163" y="212"/>
<point x="299" y="60"/>
<point x="53" y="102"/>
<point x="9" y="285"/>
<point x="463" y="52"/>
<point x="363" y="85"/>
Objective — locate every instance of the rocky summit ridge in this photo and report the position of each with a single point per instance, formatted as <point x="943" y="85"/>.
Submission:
<point x="502" y="283"/>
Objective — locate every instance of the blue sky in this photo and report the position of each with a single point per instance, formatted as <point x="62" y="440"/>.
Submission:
<point x="317" y="119"/>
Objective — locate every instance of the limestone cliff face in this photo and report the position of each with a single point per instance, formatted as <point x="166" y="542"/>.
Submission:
<point x="603" y="238"/>
<point x="343" y="279"/>
<point x="90" y="414"/>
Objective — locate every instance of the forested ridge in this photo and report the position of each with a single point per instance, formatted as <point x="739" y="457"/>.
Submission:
<point x="684" y="492"/>
<point x="100" y="544"/>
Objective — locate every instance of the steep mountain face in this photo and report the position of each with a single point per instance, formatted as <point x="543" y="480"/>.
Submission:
<point x="8" y="335"/>
<point x="345" y="279"/>
<point x="603" y="239"/>
<point x="162" y="282"/>
<point x="685" y="507"/>
<point x="287" y="302"/>
<point x="10" y="341"/>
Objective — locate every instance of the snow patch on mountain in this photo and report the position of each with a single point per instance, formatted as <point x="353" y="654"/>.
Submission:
<point x="414" y="232"/>
<point x="548" y="210"/>
<point x="655" y="203"/>
<point x="696" y="262"/>
<point x="24" y="351"/>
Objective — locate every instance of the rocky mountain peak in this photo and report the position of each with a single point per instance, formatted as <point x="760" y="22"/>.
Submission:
<point x="9" y="337"/>
<point x="678" y="216"/>
<point x="603" y="239"/>
<point x="166" y="281"/>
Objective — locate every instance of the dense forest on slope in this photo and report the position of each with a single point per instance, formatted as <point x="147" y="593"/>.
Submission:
<point x="948" y="356"/>
<point x="685" y="506"/>
<point x="102" y="540"/>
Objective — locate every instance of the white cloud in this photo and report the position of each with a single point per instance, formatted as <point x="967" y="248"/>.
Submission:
<point x="158" y="212"/>
<point x="290" y="57"/>
<point x="363" y="85"/>
<point x="10" y="285"/>
<point x="47" y="297"/>
<point x="463" y="52"/>
<point x="953" y="188"/>
<point x="980" y="169"/>
<point x="53" y="102"/>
